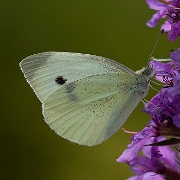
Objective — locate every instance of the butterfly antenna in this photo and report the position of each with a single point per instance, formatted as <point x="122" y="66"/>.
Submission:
<point x="162" y="60"/>
<point x="154" y="88"/>
<point x="155" y="45"/>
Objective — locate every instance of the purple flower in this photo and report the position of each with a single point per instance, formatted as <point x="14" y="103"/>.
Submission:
<point x="164" y="108"/>
<point x="170" y="8"/>
<point x="159" y="162"/>
<point x="156" y="164"/>
<point x="137" y="142"/>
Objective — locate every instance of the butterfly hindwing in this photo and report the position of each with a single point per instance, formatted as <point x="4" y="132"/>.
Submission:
<point x="94" y="109"/>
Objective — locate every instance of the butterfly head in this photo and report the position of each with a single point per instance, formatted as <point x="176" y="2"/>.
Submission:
<point x="147" y="72"/>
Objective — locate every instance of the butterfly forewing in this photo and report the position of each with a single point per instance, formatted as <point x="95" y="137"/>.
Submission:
<point x="41" y="69"/>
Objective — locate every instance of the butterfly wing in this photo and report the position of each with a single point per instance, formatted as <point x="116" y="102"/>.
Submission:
<point x="91" y="99"/>
<point x="92" y="111"/>
<point x="40" y="70"/>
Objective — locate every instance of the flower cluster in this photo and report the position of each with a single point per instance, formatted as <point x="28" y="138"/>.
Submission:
<point x="170" y="8"/>
<point x="159" y="160"/>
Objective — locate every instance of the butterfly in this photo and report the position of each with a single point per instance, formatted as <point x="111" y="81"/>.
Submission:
<point x="85" y="98"/>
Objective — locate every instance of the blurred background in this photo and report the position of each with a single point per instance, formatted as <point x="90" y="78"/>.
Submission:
<point x="115" y="29"/>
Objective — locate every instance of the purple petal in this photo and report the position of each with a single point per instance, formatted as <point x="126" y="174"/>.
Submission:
<point x="168" y="157"/>
<point x="151" y="176"/>
<point x="132" y="152"/>
<point x="176" y="103"/>
<point x="176" y="3"/>
<point x="156" y="5"/>
<point x="176" y="80"/>
<point x="166" y="26"/>
<point x="175" y="56"/>
<point x="161" y="69"/>
<point x="138" y="141"/>
<point x="147" y="176"/>
<point x="141" y="164"/>
<point x="175" y="90"/>
<point x="133" y="178"/>
<point x="174" y="33"/>
<point x="155" y="18"/>
<point x="176" y="120"/>
<point x="147" y="149"/>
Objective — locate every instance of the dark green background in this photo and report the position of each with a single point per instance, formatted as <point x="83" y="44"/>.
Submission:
<point x="111" y="28"/>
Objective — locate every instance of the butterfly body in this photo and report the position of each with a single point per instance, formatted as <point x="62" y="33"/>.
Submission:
<point x="85" y="98"/>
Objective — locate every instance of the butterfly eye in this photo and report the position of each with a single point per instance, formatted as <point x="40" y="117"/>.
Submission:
<point x="148" y="72"/>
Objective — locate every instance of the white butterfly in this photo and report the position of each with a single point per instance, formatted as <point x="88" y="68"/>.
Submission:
<point x="85" y="98"/>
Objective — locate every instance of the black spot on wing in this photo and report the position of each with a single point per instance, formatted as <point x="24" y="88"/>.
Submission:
<point x="60" y="80"/>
